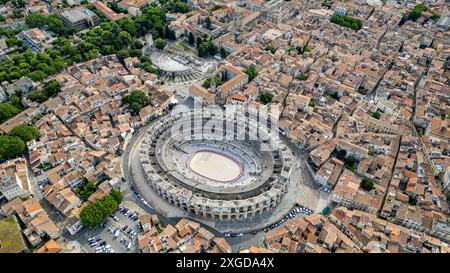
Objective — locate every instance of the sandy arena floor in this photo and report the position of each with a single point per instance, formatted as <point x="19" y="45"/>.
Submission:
<point x="215" y="166"/>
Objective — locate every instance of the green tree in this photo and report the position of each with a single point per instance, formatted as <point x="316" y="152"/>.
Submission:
<point x="212" y="50"/>
<point x="137" y="44"/>
<point x="376" y="115"/>
<point x="136" y="100"/>
<point x="93" y="53"/>
<point x="85" y="190"/>
<point x="124" y="38"/>
<point x="208" y="22"/>
<point x="160" y="43"/>
<point x="191" y="38"/>
<point x="11" y="147"/>
<point x="171" y="34"/>
<point x="135" y="53"/>
<point x="18" y="3"/>
<point x="13" y="41"/>
<point x="416" y="12"/>
<point x="94" y="213"/>
<point x="346" y="21"/>
<point x="16" y="14"/>
<point x="367" y="184"/>
<point x="414" y="15"/>
<point x="265" y="98"/>
<point x="115" y="7"/>
<point x="37" y="75"/>
<point x="223" y="53"/>
<point x="202" y="50"/>
<point x="270" y="48"/>
<point x="106" y="25"/>
<point x="7" y="111"/>
<point x="52" y="88"/>
<point x="216" y="7"/>
<point x="435" y="16"/>
<point x="341" y="154"/>
<point x="207" y="83"/>
<point x="109" y="38"/>
<point x="199" y="41"/>
<point x="350" y="162"/>
<point x="128" y="25"/>
<point x="175" y="5"/>
<point x="53" y="22"/>
<point x="335" y="95"/>
<point x="251" y="72"/>
<point x="117" y="195"/>
<point x="25" y="132"/>
<point x="135" y="107"/>
<point x="123" y="54"/>
<point x="16" y="101"/>
<point x="37" y="96"/>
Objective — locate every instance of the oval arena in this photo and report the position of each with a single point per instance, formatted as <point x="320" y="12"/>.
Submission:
<point x="210" y="175"/>
<point x="215" y="166"/>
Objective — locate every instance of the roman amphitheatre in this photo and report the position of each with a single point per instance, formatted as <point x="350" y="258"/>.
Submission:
<point x="177" y="68"/>
<point x="209" y="176"/>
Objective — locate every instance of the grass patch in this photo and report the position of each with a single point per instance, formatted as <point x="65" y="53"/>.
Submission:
<point x="182" y="47"/>
<point x="11" y="240"/>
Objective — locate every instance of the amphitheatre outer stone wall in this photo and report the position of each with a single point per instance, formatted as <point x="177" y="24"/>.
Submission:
<point x="165" y="155"/>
